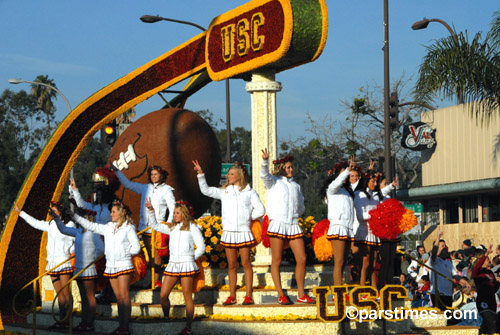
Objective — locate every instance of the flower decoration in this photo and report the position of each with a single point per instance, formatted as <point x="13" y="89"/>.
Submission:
<point x="211" y="229"/>
<point x="159" y="169"/>
<point x="57" y="204"/>
<point x="390" y="218"/>
<point x="188" y="205"/>
<point x="338" y="167"/>
<point x="284" y="160"/>
<point x="370" y="174"/>
<point x="244" y="168"/>
<point x="118" y="203"/>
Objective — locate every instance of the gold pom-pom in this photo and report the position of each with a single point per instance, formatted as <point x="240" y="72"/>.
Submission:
<point x="408" y="221"/>
<point x="323" y="249"/>
<point x="256" y="229"/>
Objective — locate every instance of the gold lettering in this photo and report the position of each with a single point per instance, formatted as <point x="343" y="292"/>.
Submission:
<point x="257" y="41"/>
<point x="227" y="39"/>
<point x="243" y="36"/>
<point x="322" y="294"/>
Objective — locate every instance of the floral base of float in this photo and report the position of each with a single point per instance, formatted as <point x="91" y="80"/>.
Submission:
<point x="372" y="309"/>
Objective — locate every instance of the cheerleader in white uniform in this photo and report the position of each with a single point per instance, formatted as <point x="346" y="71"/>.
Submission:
<point x="88" y="247"/>
<point x="285" y="203"/>
<point x="339" y="196"/>
<point x="240" y="205"/>
<point x="184" y="236"/>
<point x="162" y="197"/>
<point x="120" y="244"/>
<point x="59" y="247"/>
<point x="364" y="201"/>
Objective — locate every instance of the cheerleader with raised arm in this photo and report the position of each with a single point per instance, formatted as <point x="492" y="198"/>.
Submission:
<point x="120" y="244"/>
<point x="285" y="203"/>
<point x="88" y="247"/>
<point x="387" y="248"/>
<point x="365" y="200"/>
<point x="339" y="197"/>
<point x="240" y="205"/>
<point x="184" y="236"/>
<point x="59" y="247"/>
<point x="162" y="198"/>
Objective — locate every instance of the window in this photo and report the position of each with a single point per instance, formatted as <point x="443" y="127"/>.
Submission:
<point x="491" y="207"/>
<point x="451" y="211"/>
<point x="470" y="208"/>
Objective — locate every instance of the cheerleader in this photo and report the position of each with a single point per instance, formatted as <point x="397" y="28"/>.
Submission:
<point x="120" y="244"/>
<point x="88" y="247"/>
<point x="285" y="203"/>
<point x="59" y="247"/>
<point x="338" y="195"/>
<point x="184" y="236"/>
<point x="240" y="205"/>
<point x="387" y="248"/>
<point x="162" y="198"/>
<point x="106" y="184"/>
<point x="364" y="201"/>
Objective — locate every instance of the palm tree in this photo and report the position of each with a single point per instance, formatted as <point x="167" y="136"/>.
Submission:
<point x="454" y="68"/>
<point x="44" y="96"/>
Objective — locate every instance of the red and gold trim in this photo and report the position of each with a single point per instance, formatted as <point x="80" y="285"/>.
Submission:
<point x="338" y="237"/>
<point x="238" y="245"/>
<point x="117" y="274"/>
<point x="182" y="274"/>
<point x="285" y="237"/>
<point x="86" y="278"/>
<point x="67" y="271"/>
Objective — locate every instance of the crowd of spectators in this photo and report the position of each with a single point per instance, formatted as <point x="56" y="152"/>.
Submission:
<point x="472" y="280"/>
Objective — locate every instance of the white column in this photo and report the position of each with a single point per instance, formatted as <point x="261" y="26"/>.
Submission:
<point x="263" y="90"/>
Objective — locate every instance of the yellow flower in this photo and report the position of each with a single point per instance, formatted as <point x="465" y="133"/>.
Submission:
<point x="205" y="264"/>
<point x="214" y="258"/>
<point x="208" y="249"/>
<point x="208" y="233"/>
<point x="223" y="265"/>
<point x="214" y="239"/>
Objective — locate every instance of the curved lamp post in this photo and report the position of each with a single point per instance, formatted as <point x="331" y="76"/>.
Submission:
<point x="422" y="24"/>
<point x="153" y="19"/>
<point x="21" y="81"/>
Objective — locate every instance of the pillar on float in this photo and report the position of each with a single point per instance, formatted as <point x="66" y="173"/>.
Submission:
<point x="262" y="91"/>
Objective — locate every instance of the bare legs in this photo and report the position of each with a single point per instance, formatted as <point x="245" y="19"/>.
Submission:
<point x="87" y="290"/>
<point x="297" y="246"/>
<point x="232" y="265"/>
<point x="64" y="295"/>
<point x="121" y="288"/>
<point x="187" y="290"/>
<point x="339" y="248"/>
<point x="369" y="253"/>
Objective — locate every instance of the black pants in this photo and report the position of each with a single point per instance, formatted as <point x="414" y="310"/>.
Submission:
<point x="489" y="322"/>
<point x="387" y="252"/>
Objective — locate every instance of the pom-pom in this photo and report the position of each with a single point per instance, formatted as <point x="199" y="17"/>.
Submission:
<point x="323" y="249"/>
<point x="199" y="279"/>
<point x="161" y="243"/>
<point x="408" y="221"/>
<point x="265" y="237"/>
<point x="72" y="261"/>
<point x="320" y="229"/>
<point x="385" y="219"/>
<point x="256" y="229"/>
<point x="140" y="267"/>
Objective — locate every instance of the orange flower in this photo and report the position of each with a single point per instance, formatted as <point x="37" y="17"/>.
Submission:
<point x="208" y="249"/>
<point x="223" y="265"/>
<point x="214" y="239"/>
<point x="214" y="258"/>
<point x="208" y="233"/>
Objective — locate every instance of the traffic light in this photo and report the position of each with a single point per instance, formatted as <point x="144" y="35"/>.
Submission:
<point x="109" y="133"/>
<point x="393" y="111"/>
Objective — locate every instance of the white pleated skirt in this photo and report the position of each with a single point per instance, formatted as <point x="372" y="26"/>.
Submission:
<point x="90" y="273"/>
<point x="63" y="269"/>
<point x="365" y="235"/>
<point x="285" y="231"/>
<point x="237" y="239"/>
<point x="339" y="232"/>
<point x="115" y="272"/>
<point x="181" y="269"/>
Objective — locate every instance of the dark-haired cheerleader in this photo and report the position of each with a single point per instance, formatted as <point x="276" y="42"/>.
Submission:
<point x="339" y="197"/>
<point x="59" y="247"/>
<point x="120" y="244"/>
<point x="285" y="203"/>
<point x="162" y="198"/>
<point x="365" y="200"/>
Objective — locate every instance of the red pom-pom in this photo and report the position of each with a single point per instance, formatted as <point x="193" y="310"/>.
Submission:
<point x="265" y="226"/>
<point x="385" y="219"/>
<point x="161" y="245"/>
<point x="320" y="229"/>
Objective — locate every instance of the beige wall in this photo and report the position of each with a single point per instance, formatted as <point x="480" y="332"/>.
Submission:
<point x="464" y="149"/>
<point x="485" y="233"/>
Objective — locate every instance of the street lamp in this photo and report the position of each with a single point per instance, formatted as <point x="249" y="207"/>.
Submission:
<point x="21" y="81"/>
<point x="387" y="127"/>
<point x="422" y="24"/>
<point x="153" y="19"/>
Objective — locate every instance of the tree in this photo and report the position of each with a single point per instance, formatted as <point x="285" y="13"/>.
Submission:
<point x="44" y="96"/>
<point x="454" y="67"/>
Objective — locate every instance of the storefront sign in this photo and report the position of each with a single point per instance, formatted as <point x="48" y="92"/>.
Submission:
<point x="418" y="136"/>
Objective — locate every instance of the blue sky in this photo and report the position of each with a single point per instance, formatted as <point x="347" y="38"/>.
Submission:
<point x="86" y="45"/>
